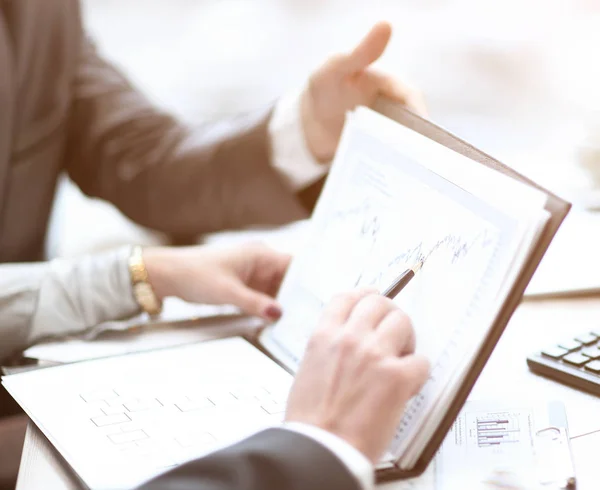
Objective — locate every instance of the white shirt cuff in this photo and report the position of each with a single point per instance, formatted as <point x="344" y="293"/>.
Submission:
<point x="290" y="153"/>
<point x="358" y="465"/>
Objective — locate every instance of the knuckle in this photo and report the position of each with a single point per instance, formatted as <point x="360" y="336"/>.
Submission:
<point x="413" y="374"/>
<point x="386" y="371"/>
<point x="402" y="376"/>
<point x="341" y="300"/>
<point x="374" y="301"/>
<point x="337" y="302"/>
<point x="401" y="320"/>
<point x="371" y="353"/>
<point x="402" y="315"/>
<point x="361" y="295"/>
<point x="319" y="337"/>
<point x="422" y="365"/>
<point x="348" y="343"/>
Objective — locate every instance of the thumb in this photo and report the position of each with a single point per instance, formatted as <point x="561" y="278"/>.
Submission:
<point x="370" y="48"/>
<point x="254" y="303"/>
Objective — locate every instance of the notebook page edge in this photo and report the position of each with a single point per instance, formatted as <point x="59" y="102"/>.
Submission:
<point x="454" y="384"/>
<point x="415" y="144"/>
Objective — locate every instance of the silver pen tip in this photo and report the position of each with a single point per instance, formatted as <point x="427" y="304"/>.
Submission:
<point x="417" y="267"/>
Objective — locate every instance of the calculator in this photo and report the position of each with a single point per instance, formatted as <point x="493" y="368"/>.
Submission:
<point x="573" y="361"/>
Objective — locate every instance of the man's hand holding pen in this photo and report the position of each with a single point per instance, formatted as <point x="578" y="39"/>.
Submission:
<point x="360" y="369"/>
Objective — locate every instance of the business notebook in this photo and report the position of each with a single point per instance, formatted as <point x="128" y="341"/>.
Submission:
<point x="400" y="190"/>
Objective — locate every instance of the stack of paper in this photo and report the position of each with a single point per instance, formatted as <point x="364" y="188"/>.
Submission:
<point x="180" y="323"/>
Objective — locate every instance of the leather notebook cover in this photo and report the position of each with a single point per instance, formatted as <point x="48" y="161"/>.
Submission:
<point x="558" y="209"/>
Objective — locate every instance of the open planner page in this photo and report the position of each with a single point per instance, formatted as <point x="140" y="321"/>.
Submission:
<point x="395" y="198"/>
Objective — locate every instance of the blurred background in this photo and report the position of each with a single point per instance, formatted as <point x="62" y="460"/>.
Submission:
<point x="518" y="78"/>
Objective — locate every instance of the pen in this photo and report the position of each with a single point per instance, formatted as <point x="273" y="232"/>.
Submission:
<point x="402" y="280"/>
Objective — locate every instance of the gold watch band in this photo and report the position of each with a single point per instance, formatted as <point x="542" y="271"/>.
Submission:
<point x="142" y="290"/>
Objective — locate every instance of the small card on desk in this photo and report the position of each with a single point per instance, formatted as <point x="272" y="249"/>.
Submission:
<point x="400" y="191"/>
<point x="522" y="446"/>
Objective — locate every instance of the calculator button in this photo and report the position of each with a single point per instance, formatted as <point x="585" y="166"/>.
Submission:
<point x="586" y="339"/>
<point x="554" y="352"/>
<point x="576" y="359"/>
<point x="596" y="332"/>
<point x="593" y="366"/>
<point x="591" y="352"/>
<point x="570" y="345"/>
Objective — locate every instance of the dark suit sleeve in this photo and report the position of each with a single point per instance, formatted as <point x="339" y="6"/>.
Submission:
<point x="275" y="459"/>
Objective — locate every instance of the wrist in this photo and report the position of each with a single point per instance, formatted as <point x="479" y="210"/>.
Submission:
<point x="364" y="445"/>
<point x="318" y="141"/>
<point x="156" y="260"/>
<point x="355" y="461"/>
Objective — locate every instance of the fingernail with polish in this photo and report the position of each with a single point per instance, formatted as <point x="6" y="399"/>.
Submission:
<point x="273" y="312"/>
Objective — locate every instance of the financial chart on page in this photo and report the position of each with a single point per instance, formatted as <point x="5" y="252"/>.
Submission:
<point x="379" y="214"/>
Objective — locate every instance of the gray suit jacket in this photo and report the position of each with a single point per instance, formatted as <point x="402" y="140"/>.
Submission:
<point x="271" y="460"/>
<point x="63" y="108"/>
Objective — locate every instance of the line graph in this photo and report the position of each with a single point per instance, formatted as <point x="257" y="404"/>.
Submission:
<point x="454" y="244"/>
<point x="366" y="220"/>
<point x="370" y="242"/>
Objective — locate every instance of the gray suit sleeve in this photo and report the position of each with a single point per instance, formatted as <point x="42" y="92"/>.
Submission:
<point x="166" y="175"/>
<point x="61" y="297"/>
<point x="274" y="459"/>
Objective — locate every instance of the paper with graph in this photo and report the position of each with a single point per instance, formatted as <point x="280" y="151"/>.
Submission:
<point x="505" y="444"/>
<point x="384" y="208"/>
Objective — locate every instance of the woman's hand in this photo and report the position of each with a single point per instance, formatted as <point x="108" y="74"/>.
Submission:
<point x="247" y="277"/>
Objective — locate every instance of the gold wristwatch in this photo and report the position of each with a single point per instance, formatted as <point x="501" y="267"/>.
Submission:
<point x="142" y="290"/>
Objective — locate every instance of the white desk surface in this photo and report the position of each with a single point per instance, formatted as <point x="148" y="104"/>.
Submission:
<point x="506" y="376"/>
